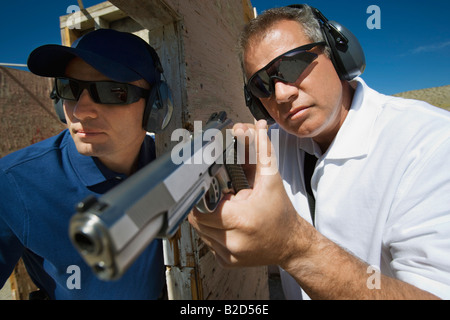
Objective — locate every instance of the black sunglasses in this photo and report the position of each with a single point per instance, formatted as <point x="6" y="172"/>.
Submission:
<point x="287" y="67"/>
<point x="102" y="92"/>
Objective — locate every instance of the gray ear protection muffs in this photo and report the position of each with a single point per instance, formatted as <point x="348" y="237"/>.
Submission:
<point x="347" y="56"/>
<point x="158" y="109"/>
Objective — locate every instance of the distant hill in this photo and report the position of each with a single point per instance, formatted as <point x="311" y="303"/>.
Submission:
<point x="438" y="96"/>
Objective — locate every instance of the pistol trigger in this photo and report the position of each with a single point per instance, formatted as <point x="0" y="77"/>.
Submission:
<point x="211" y="199"/>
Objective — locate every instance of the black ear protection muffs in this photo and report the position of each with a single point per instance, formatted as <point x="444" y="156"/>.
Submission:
<point x="58" y="105"/>
<point x="158" y="109"/>
<point x="347" y="56"/>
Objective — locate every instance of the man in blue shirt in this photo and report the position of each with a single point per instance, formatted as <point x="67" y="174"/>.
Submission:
<point x="105" y="81"/>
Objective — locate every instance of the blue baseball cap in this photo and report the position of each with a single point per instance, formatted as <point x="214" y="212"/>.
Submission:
<point x="121" y="56"/>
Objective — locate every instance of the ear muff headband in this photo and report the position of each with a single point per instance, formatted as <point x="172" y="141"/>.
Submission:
<point x="347" y="54"/>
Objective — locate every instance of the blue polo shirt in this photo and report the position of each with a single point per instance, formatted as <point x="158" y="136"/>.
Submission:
<point x="39" y="187"/>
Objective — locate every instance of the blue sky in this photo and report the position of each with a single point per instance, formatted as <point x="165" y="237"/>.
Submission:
<point x="411" y="50"/>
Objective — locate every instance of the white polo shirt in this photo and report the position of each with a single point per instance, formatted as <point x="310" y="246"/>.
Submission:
<point x="382" y="189"/>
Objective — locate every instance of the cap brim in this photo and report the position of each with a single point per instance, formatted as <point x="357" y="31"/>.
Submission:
<point x="52" y="60"/>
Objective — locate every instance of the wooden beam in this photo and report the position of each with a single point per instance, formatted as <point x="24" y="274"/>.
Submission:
<point x="249" y="12"/>
<point x="144" y="12"/>
<point x="80" y="4"/>
<point x="85" y="19"/>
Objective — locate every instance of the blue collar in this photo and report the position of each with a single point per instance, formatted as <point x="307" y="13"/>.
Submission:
<point x="95" y="175"/>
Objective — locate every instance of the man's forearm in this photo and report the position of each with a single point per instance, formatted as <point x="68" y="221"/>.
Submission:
<point x="326" y="271"/>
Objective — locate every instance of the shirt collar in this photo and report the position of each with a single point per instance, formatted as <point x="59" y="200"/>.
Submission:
<point x="92" y="172"/>
<point x="354" y="137"/>
<point x="85" y="167"/>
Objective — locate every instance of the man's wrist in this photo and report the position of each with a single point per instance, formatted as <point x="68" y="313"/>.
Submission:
<point x="301" y="247"/>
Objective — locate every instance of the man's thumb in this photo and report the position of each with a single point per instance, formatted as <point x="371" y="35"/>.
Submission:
<point x="266" y="154"/>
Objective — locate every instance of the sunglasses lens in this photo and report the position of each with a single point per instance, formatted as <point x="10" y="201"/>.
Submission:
<point x="67" y="89"/>
<point x="260" y="85"/>
<point x="291" y="68"/>
<point x="111" y="92"/>
<point x="102" y="92"/>
<point x="287" y="68"/>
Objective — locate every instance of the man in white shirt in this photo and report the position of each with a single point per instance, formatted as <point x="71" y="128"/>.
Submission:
<point x="378" y="224"/>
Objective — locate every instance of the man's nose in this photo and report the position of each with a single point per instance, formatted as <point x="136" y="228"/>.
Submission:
<point x="285" y="92"/>
<point x="85" y="107"/>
